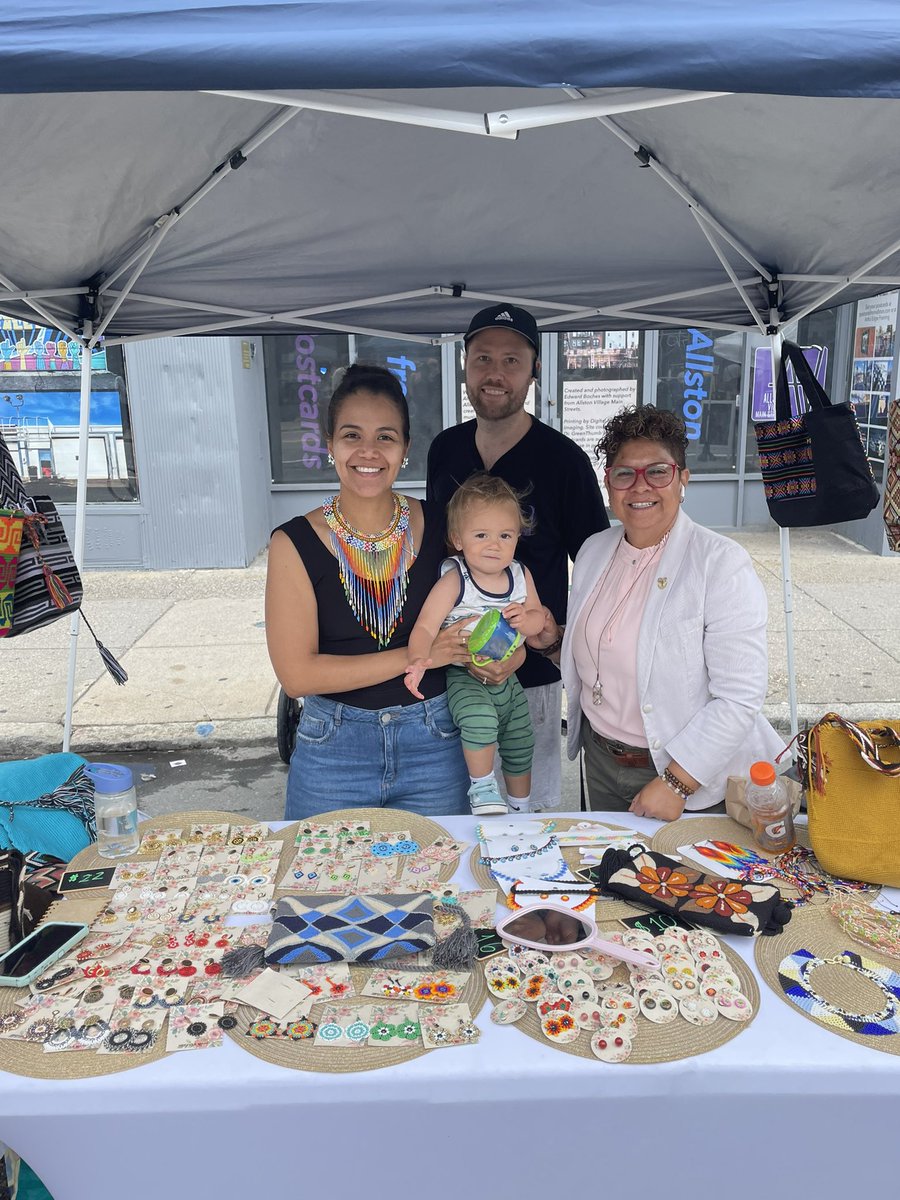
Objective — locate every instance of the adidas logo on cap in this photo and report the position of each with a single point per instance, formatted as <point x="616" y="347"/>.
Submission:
<point x="516" y="319"/>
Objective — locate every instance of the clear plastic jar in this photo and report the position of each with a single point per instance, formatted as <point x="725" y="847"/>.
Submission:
<point x="770" y="809"/>
<point x="115" y="807"/>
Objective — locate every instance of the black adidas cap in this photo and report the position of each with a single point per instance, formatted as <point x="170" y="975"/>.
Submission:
<point x="506" y="316"/>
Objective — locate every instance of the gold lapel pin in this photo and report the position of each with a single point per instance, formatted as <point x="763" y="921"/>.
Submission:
<point x="662" y="582"/>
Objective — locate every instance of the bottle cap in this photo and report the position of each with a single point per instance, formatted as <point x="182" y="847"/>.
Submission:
<point x="762" y="774"/>
<point x="108" y="778"/>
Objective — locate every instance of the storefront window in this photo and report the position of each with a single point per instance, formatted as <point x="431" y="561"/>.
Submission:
<point x="299" y="374"/>
<point x="599" y="374"/>
<point x="872" y="373"/>
<point x="418" y="367"/>
<point x="699" y="377"/>
<point x="40" y="400"/>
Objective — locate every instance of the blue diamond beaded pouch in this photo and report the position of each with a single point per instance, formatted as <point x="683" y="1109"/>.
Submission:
<point x="364" y="929"/>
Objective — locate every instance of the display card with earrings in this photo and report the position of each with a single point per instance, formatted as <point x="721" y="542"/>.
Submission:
<point x="193" y="1027"/>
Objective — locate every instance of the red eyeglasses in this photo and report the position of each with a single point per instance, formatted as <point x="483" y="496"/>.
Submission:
<point x="657" y="475"/>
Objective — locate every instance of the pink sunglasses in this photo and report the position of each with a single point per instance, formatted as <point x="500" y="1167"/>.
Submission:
<point x="553" y="927"/>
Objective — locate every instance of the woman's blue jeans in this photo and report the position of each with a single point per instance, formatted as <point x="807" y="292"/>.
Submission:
<point x="408" y="757"/>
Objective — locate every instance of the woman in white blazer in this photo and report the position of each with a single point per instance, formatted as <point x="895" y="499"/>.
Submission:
<point x="664" y="656"/>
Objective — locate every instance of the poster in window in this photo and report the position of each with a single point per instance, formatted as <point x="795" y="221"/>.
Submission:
<point x="40" y="413"/>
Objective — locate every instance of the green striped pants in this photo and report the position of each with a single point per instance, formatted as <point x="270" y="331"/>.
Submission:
<point x="486" y="716"/>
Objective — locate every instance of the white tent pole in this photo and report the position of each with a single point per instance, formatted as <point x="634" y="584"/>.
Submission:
<point x="502" y="123"/>
<point x="291" y="314"/>
<point x="142" y="260"/>
<point x="542" y="115"/>
<point x="729" y="270"/>
<point x="47" y="318"/>
<point x="163" y="224"/>
<point x="43" y="294"/>
<point x="678" y="187"/>
<point x="452" y="120"/>
<point x="245" y="322"/>
<point x="775" y="340"/>
<point x="567" y="310"/>
<point x="579" y="310"/>
<point x="847" y="282"/>
<point x="80" y="515"/>
<point x="660" y="319"/>
<point x="691" y="294"/>
<point x="651" y="161"/>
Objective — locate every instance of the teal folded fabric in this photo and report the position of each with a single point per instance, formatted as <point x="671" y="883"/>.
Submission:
<point x="28" y="778"/>
<point x="42" y="831"/>
<point x="46" y="806"/>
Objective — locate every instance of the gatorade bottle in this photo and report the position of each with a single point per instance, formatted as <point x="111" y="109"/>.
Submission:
<point x="770" y="809"/>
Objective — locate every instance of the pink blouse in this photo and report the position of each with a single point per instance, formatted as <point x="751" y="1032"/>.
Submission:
<point x="605" y="643"/>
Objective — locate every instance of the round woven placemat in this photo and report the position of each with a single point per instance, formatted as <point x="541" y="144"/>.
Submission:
<point x="813" y="928"/>
<point x="657" y="1043"/>
<point x="721" y="829"/>
<point x="422" y="830"/>
<point x="610" y="909"/>
<point x="25" y="1058"/>
<point x="305" y="1056"/>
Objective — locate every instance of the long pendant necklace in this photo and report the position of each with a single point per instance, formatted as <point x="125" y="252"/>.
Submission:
<point x="597" y="689"/>
<point x="373" y="567"/>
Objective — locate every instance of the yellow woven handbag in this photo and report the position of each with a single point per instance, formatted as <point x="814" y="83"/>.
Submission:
<point x="853" y="798"/>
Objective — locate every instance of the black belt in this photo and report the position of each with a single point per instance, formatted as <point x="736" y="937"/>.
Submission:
<point x="625" y="756"/>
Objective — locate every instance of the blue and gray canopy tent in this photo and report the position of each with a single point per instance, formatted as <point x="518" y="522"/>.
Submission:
<point x="386" y="167"/>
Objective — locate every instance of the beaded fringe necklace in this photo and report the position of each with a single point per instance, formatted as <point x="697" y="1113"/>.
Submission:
<point x="373" y="567"/>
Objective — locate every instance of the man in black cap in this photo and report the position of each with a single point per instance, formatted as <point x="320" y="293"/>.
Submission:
<point x="561" y="491"/>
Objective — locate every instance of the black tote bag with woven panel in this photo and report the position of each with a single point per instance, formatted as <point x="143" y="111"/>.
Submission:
<point x="814" y="466"/>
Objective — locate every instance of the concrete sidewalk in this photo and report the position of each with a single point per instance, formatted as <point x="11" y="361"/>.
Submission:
<point x="193" y="643"/>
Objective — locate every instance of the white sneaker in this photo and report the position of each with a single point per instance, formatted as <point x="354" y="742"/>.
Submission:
<point x="485" y="799"/>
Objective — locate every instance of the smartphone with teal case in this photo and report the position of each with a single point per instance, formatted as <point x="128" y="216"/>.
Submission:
<point x="30" y="958"/>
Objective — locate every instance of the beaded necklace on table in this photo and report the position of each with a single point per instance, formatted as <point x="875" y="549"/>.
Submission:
<point x="373" y="567"/>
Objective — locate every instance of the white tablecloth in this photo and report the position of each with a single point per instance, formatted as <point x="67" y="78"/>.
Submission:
<point x="786" y="1109"/>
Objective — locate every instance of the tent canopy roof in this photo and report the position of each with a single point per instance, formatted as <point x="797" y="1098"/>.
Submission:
<point x="572" y="177"/>
<point x="797" y="47"/>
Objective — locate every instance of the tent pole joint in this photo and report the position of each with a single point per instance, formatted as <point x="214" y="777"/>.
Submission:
<point x="773" y="287"/>
<point x="89" y="302"/>
<point x="457" y="290"/>
<point x="643" y="155"/>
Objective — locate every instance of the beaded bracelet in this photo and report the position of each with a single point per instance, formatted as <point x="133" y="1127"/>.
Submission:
<point x="674" y="784"/>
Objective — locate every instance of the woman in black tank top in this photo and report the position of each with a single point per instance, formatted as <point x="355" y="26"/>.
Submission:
<point x="344" y="588"/>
